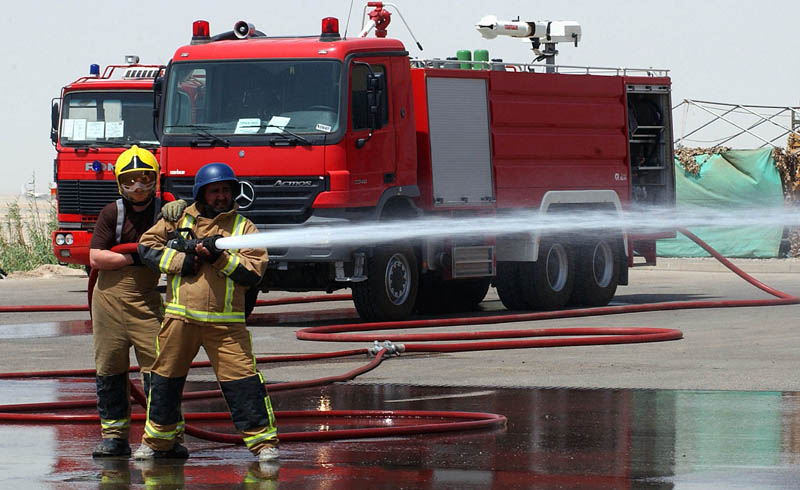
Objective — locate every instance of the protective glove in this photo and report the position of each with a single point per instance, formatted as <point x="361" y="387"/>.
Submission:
<point x="172" y="211"/>
<point x="190" y="265"/>
<point x="208" y="243"/>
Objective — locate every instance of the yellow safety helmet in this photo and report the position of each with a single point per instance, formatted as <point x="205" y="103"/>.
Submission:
<point x="136" y="172"/>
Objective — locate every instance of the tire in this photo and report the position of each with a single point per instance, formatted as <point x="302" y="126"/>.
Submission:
<point x="547" y="284"/>
<point x="509" y="286"/>
<point x="597" y="271"/>
<point x="390" y="290"/>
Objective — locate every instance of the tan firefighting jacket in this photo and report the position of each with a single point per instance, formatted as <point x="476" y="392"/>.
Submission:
<point x="216" y="292"/>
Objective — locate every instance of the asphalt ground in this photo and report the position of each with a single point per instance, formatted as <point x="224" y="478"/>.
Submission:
<point x="753" y="348"/>
<point x="718" y="409"/>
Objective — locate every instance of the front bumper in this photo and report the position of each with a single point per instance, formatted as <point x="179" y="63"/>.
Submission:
<point x="75" y="253"/>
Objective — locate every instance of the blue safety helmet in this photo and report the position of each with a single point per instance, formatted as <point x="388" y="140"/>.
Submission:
<point x="210" y="173"/>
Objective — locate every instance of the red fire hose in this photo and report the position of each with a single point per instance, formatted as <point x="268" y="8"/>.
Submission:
<point x="335" y="333"/>
<point x="448" y="421"/>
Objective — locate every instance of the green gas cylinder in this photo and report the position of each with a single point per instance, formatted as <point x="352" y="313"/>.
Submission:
<point x="481" y="55"/>
<point x="464" y="55"/>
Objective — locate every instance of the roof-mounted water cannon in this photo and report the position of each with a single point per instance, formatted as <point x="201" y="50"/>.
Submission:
<point x="379" y="18"/>
<point x="539" y="32"/>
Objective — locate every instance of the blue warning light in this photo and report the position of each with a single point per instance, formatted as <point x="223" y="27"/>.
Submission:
<point x="94" y="70"/>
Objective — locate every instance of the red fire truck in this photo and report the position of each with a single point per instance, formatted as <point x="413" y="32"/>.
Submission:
<point x="324" y="130"/>
<point x="96" y="118"/>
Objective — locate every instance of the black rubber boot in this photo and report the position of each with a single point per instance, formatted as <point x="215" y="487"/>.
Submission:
<point x="112" y="447"/>
<point x="178" y="451"/>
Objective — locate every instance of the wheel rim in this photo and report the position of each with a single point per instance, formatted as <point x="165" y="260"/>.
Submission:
<point x="556" y="267"/>
<point x="603" y="264"/>
<point x="397" y="279"/>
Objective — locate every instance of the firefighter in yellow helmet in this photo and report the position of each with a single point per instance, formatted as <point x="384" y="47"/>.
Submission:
<point x="126" y="305"/>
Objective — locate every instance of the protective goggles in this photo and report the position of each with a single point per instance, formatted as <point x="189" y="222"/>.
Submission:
<point x="144" y="177"/>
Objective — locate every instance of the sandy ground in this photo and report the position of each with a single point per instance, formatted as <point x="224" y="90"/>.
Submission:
<point x="47" y="271"/>
<point x="28" y="207"/>
<point x="27" y="204"/>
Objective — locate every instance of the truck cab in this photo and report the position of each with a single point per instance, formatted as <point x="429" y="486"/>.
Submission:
<point x="96" y="118"/>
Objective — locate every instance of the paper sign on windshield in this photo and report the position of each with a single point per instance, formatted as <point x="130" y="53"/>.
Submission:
<point x="114" y="129"/>
<point x="79" y="129"/>
<point x="276" y="124"/>
<point x="95" y="130"/>
<point x="66" y="128"/>
<point x="248" y="125"/>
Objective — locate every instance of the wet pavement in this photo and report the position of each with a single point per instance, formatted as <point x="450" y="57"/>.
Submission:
<point x="554" y="439"/>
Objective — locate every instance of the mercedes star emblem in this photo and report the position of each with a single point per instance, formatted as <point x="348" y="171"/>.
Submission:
<point x="247" y="195"/>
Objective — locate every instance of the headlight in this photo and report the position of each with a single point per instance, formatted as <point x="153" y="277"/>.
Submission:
<point x="68" y="239"/>
<point x="60" y="239"/>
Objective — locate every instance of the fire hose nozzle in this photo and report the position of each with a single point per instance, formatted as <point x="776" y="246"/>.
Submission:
<point x="188" y="244"/>
<point x="391" y="348"/>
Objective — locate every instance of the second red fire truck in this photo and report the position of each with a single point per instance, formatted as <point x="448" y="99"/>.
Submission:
<point x="324" y="130"/>
<point x="96" y="118"/>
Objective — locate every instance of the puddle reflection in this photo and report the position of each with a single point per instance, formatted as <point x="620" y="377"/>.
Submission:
<point x="555" y="439"/>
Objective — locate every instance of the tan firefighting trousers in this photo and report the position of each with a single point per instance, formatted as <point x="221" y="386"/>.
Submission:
<point x="229" y="348"/>
<point x="126" y="311"/>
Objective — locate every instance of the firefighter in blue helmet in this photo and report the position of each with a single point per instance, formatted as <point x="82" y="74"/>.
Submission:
<point x="205" y="307"/>
<point x="126" y="306"/>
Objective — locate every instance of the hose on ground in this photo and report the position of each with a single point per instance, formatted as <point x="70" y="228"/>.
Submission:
<point x="343" y="333"/>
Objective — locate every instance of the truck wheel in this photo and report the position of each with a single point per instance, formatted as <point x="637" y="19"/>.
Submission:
<point x="597" y="271"/>
<point x="508" y="285"/>
<point x="390" y="290"/>
<point x="547" y="283"/>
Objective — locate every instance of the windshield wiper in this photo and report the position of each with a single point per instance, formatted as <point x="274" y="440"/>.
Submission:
<point x="94" y="145"/>
<point x="207" y="139"/>
<point x="289" y="135"/>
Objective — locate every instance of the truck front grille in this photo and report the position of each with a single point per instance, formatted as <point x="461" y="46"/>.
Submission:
<point x="277" y="200"/>
<point x="86" y="197"/>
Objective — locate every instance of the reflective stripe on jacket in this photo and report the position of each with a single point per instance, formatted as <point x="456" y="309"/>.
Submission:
<point x="215" y="294"/>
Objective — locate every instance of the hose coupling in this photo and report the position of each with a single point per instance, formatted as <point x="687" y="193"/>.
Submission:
<point x="391" y="348"/>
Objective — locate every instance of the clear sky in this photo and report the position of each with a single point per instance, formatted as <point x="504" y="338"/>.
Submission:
<point x="726" y="51"/>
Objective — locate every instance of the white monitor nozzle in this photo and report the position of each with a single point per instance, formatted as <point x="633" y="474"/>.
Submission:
<point x="544" y="31"/>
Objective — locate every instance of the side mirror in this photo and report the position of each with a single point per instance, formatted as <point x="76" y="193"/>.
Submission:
<point x="158" y="92"/>
<point x="54" y="113"/>
<point x="376" y="106"/>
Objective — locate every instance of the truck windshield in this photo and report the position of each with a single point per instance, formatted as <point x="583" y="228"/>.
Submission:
<point x="107" y="119"/>
<point x="253" y="97"/>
